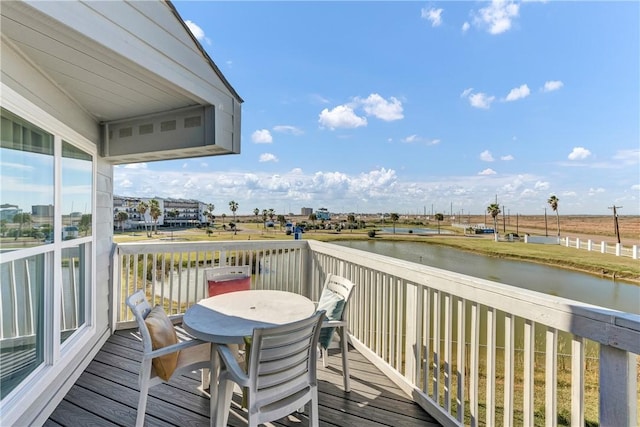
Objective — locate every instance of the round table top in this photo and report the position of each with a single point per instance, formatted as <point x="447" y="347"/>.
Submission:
<point x="227" y="318"/>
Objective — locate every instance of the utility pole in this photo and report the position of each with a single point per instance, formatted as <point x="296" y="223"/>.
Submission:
<point x="517" y="217"/>
<point x="504" y="222"/>
<point x="546" y="231"/>
<point x="615" y="220"/>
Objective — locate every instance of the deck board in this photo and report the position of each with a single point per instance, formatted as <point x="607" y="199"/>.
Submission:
<point x="106" y="394"/>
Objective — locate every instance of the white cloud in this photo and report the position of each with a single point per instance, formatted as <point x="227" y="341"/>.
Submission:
<point x="411" y="138"/>
<point x="518" y="93"/>
<point x="268" y="157"/>
<point x="594" y="191"/>
<point x="541" y="185"/>
<point x="628" y="157"/>
<point x="377" y="106"/>
<point x="262" y="136"/>
<point x="204" y="165"/>
<point x="135" y="166"/>
<point x="579" y="153"/>
<point x="486" y="156"/>
<point x="636" y="187"/>
<point x="197" y="32"/>
<point x="341" y="116"/>
<point x="487" y="172"/>
<point x="433" y="15"/>
<point x="551" y="85"/>
<point x="288" y="129"/>
<point x="125" y="183"/>
<point x="435" y="141"/>
<point x="465" y="27"/>
<point x="507" y="158"/>
<point x="498" y="16"/>
<point x="481" y="100"/>
<point x="185" y="165"/>
<point x="465" y="93"/>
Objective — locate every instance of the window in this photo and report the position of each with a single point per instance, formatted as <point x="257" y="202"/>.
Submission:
<point x="46" y="246"/>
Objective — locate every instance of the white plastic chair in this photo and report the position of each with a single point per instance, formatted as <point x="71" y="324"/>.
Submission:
<point x="281" y="376"/>
<point x="341" y="287"/>
<point x="194" y="354"/>
<point x="220" y="280"/>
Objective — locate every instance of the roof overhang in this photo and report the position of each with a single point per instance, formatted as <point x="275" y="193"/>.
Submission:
<point x="136" y="69"/>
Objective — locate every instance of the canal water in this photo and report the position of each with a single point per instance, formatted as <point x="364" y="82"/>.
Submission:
<point x="546" y="279"/>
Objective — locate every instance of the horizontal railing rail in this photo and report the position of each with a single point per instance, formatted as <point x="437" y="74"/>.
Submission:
<point x="470" y="351"/>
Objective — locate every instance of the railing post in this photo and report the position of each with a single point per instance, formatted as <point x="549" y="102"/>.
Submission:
<point x="603" y="247"/>
<point x="634" y="252"/>
<point x="618" y="249"/>
<point x="589" y="245"/>
<point x="568" y="241"/>
<point x="306" y="273"/>
<point x="412" y="344"/>
<point x="114" y="285"/>
<point x="577" y="243"/>
<point x="618" y="387"/>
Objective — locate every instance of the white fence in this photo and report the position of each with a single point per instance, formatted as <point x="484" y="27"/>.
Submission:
<point x="603" y="247"/>
<point x="468" y="350"/>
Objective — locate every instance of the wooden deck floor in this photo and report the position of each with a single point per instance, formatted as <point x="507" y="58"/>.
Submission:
<point x="106" y="394"/>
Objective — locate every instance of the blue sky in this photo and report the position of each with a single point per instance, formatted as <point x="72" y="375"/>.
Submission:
<point x="412" y="106"/>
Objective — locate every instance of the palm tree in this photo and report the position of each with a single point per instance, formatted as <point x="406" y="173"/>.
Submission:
<point x="394" y="218"/>
<point x="21" y="219"/>
<point x="209" y="212"/>
<point x="224" y="215"/>
<point x="155" y="212"/>
<point x="351" y="219"/>
<point x="122" y="216"/>
<point x="142" y="209"/>
<point x="553" y="202"/>
<point x="494" y="210"/>
<point x="233" y="207"/>
<point x="256" y="212"/>
<point x="282" y="221"/>
<point x="439" y="217"/>
<point x="272" y="213"/>
<point x="265" y="214"/>
<point x="313" y="218"/>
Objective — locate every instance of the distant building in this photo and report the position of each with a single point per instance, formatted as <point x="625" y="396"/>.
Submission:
<point x="306" y="211"/>
<point x="323" y="214"/>
<point x="7" y="214"/>
<point x="42" y="210"/>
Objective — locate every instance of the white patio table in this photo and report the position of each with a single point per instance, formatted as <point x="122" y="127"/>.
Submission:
<point x="228" y="318"/>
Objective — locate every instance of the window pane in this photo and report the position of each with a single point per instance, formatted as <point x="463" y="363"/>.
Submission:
<point x="26" y="184"/>
<point x="21" y="332"/>
<point x="77" y="182"/>
<point x="76" y="276"/>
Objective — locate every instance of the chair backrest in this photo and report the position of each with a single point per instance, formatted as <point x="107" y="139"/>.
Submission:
<point x="220" y="280"/>
<point x="341" y="286"/>
<point x="140" y="308"/>
<point x="282" y="365"/>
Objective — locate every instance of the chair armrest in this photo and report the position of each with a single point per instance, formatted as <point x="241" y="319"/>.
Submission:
<point x="334" y="323"/>
<point x="233" y="367"/>
<point x="173" y="348"/>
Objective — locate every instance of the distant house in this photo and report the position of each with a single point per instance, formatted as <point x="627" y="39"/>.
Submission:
<point x="323" y="214"/>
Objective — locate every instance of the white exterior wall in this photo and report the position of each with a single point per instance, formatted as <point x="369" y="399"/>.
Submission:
<point x="31" y="87"/>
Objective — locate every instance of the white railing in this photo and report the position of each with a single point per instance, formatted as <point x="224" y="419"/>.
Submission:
<point x="410" y="321"/>
<point x="616" y="249"/>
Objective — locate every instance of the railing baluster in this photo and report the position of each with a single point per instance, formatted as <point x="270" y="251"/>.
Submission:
<point x="447" y="351"/>
<point x="529" y="364"/>
<point x="577" y="381"/>
<point x="551" y="383"/>
<point x="461" y="360"/>
<point x="436" y="346"/>
<point x="509" y="336"/>
<point x="474" y="375"/>
<point x="426" y="340"/>
<point x="491" y="367"/>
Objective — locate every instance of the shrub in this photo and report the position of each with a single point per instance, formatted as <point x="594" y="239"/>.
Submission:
<point x="372" y="233"/>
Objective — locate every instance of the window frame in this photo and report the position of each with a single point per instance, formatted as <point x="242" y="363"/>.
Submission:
<point x="56" y="355"/>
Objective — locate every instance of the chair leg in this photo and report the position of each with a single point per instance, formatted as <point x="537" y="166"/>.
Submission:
<point x="142" y="404"/>
<point x="313" y="409"/>
<point x="325" y="356"/>
<point x="223" y="405"/>
<point x="344" y="345"/>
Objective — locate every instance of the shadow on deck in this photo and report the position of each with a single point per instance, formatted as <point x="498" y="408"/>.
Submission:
<point x="106" y="394"/>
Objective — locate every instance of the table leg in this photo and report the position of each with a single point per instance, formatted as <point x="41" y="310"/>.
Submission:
<point x="213" y="383"/>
